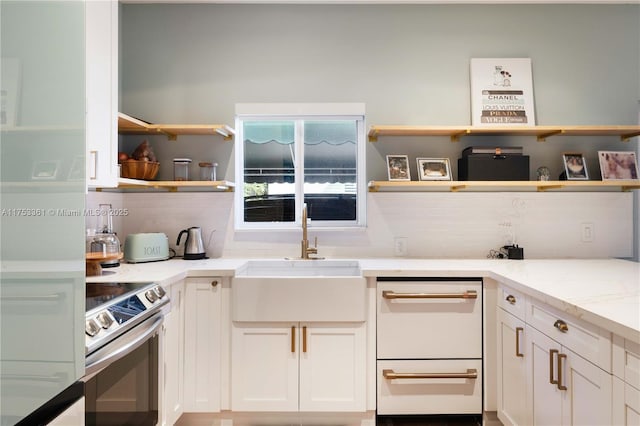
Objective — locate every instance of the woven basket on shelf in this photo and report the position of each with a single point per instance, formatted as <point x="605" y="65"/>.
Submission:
<point x="135" y="169"/>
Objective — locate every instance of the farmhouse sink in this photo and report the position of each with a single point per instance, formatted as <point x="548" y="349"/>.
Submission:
<point x="298" y="290"/>
<point x="299" y="268"/>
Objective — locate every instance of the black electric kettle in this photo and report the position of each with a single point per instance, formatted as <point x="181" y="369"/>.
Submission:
<point x="193" y="246"/>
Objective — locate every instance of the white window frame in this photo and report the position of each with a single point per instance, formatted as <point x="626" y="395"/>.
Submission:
<point x="313" y="111"/>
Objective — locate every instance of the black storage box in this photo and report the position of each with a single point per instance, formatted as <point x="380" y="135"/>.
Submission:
<point x="493" y="167"/>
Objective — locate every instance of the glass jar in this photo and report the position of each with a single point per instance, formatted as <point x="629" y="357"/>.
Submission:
<point x="181" y="168"/>
<point x="208" y="170"/>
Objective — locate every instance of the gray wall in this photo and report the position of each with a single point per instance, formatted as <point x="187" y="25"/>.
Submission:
<point x="408" y="63"/>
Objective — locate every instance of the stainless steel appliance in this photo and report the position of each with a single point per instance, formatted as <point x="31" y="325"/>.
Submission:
<point x="123" y="322"/>
<point x="193" y="246"/>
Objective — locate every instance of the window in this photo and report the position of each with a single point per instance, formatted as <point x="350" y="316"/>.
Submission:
<point x="313" y="157"/>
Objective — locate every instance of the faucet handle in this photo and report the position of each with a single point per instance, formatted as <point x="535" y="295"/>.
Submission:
<point x="315" y="242"/>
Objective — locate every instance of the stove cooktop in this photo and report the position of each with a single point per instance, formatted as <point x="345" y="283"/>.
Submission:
<point x="111" y="309"/>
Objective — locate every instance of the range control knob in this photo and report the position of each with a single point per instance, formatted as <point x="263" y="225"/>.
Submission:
<point x="91" y="328"/>
<point x="104" y="320"/>
<point x="159" y="291"/>
<point x="151" y="296"/>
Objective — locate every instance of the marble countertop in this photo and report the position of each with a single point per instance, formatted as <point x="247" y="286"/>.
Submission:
<point x="605" y="292"/>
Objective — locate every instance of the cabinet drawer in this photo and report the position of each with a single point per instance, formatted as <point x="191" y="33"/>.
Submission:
<point x="587" y="340"/>
<point x="626" y="361"/>
<point x="401" y="393"/>
<point x="512" y="302"/>
<point x="429" y="319"/>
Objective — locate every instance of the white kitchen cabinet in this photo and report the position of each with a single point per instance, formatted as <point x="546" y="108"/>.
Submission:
<point x="553" y="368"/>
<point x="308" y="367"/>
<point x="626" y="382"/>
<point x="202" y="340"/>
<point x="101" y="29"/>
<point x="173" y="357"/>
<point x="512" y="370"/>
<point x="566" y="389"/>
<point x="626" y="404"/>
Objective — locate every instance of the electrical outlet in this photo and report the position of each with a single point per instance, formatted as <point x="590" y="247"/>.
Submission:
<point x="587" y="232"/>
<point x="400" y="246"/>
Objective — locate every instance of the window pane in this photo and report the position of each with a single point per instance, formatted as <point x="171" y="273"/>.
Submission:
<point x="269" y="174"/>
<point x="330" y="158"/>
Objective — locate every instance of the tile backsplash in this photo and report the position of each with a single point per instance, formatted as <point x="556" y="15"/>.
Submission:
<point x="436" y="225"/>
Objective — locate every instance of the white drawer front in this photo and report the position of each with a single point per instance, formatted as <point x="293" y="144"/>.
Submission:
<point x="512" y="302"/>
<point x="411" y="326"/>
<point x="401" y="394"/>
<point x="587" y="340"/>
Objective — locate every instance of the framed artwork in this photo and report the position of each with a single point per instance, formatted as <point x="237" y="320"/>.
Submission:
<point x="433" y="169"/>
<point x="502" y="92"/>
<point x="618" y="165"/>
<point x="575" y="166"/>
<point x="398" y="167"/>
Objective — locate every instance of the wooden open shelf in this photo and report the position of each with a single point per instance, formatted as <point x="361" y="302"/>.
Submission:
<point x="504" y="186"/>
<point x="218" y="185"/>
<point x="128" y="125"/>
<point x="540" y="132"/>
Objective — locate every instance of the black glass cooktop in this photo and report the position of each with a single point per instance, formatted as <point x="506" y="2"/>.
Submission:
<point x="100" y="293"/>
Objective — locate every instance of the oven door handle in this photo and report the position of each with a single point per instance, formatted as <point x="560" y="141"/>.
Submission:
<point x="121" y="347"/>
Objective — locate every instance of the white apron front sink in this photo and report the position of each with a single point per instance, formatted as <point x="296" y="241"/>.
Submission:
<point x="299" y="290"/>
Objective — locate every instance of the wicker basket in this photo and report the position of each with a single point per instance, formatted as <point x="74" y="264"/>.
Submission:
<point x="135" y="169"/>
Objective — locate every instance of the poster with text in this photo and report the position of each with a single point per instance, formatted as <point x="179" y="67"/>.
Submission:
<point x="502" y="92"/>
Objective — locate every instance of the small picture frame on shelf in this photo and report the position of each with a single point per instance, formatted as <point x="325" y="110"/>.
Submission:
<point x="433" y="169"/>
<point x="618" y="165"/>
<point x="575" y="166"/>
<point x="398" y="168"/>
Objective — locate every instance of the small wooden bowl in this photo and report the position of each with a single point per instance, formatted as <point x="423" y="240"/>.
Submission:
<point x="136" y="169"/>
<point x="93" y="260"/>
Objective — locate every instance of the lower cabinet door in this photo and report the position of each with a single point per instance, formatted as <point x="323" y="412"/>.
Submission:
<point x="626" y="404"/>
<point x="545" y="397"/>
<point x="264" y="367"/>
<point x="513" y="408"/>
<point x="566" y="389"/>
<point x="587" y="399"/>
<point x="429" y="386"/>
<point x="333" y="367"/>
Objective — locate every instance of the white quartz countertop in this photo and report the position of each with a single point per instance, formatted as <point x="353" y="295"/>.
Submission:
<point x="605" y="292"/>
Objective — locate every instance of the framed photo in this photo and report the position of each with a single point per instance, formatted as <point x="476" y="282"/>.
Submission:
<point x="398" y="167"/>
<point x="618" y="165"/>
<point x="575" y="167"/>
<point x="45" y="170"/>
<point x="433" y="169"/>
<point x="502" y="92"/>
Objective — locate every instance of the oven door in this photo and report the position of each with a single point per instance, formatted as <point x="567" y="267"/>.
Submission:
<point x="122" y="378"/>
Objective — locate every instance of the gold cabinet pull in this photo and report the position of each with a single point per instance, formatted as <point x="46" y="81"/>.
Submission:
<point x="304" y="339"/>
<point x="293" y="339"/>
<point x="468" y="294"/>
<point x="511" y="299"/>
<point x="518" y="331"/>
<point x="560" y="358"/>
<point x="471" y="373"/>
<point x="561" y="325"/>
<point x="214" y="283"/>
<point x="552" y="352"/>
